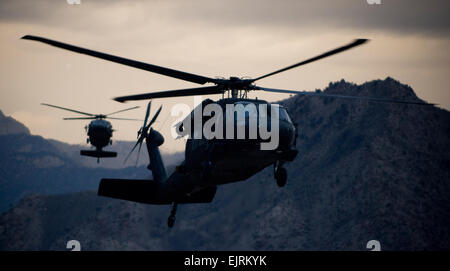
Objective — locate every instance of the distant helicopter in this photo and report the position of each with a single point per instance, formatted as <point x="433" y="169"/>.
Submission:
<point x="209" y="162"/>
<point x="99" y="131"/>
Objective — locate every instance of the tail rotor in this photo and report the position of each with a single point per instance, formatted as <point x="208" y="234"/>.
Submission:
<point x="143" y="131"/>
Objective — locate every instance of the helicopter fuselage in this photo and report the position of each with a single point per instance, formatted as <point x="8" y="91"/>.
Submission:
<point x="99" y="132"/>
<point x="219" y="161"/>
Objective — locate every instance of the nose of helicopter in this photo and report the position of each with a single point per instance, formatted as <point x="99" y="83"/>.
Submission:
<point x="286" y="135"/>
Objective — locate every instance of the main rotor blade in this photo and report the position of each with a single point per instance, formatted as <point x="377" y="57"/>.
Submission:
<point x="128" y="62"/>
<point x="326" y="54"/>
<point x="172" y="93"/>
<point x="307" y="93"/>
<point x="154" y="117"/>
<point x="71" y="110"/>
<point x="80" y="118"/>
<point x="122" y="110"/>
<point x="122" y="119"/>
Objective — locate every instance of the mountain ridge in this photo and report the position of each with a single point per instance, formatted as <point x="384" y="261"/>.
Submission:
<point x="9" y="125"/>
<point x="365" y="171"/>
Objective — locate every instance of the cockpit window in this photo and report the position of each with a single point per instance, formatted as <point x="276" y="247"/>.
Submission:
<point x="284" y="115"/>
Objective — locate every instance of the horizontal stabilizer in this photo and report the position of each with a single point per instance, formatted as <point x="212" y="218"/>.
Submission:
<point x="149" y="192"/>
<point x="98" y="154"/>
<point x="143" y="191"/>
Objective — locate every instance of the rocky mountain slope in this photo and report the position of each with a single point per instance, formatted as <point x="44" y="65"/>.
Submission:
<point x="31" y="164"/>
<point x="365" y="171"/>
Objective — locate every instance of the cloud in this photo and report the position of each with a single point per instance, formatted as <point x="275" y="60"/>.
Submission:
<point x="411" y="17"/>
<point x="32" y="120"/>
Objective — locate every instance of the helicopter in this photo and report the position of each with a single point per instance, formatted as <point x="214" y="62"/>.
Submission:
<point x="99" y="130"/>
<point x="211" y="162"/>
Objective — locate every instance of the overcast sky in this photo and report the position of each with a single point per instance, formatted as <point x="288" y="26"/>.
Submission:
<point x="409" y="41"/>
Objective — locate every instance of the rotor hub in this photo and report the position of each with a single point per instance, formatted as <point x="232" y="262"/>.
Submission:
<point x="235" y="84"/>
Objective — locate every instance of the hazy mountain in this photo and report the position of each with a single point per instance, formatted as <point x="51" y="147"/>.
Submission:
<point x="364" y="171"/>
<point x="8" y="125"/>
<point x="31" y="164"/>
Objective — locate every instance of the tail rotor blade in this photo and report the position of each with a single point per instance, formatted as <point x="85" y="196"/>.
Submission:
<point x="143" y="131"/>
<point x="139" y="151"/>
<point x="155" y="116"/>
<point x="128" y="156"/>
<point x="147" y="113"/>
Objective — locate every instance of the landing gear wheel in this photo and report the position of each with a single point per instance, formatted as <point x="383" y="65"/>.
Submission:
<point x="281" y="177"/>
<point x="171" y="221"/>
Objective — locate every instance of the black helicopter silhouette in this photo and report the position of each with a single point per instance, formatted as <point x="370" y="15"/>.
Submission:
<point x="99" y="131"/>
<point x="209" y="162"/>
